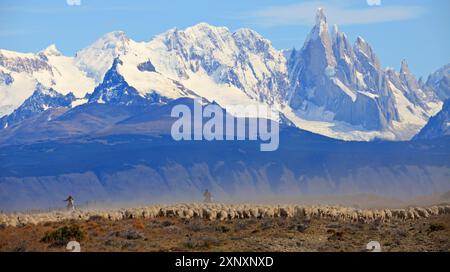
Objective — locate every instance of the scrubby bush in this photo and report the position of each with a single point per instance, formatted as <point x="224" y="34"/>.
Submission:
<point x="167" y="223"/>
<point x="201" y="243"/>
<point x="222" y="228"/>
<point x="436" y="227"/>
<point x="63" y="235"/>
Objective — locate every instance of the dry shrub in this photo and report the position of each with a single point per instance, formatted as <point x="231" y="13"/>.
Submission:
<point x="201" y="243"/>
<point x="63" y="235"/>
<point x="436" y="227"/>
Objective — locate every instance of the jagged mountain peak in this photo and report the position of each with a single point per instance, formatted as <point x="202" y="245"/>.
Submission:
<point x="318" y="44"/>
<point x="21" y="71"/>
<point x="252" y="40"/>
<point x="439" y="81"/>
<point x="113" y="70"/>
<point x="97" y="58"/>
<point x="241" y="60"/>
<point x="320" y="29"/>
<point x="247" y="34"/>
<point x="199" y="32"/>
<point x="404" y="68"/>
<point x="205" y="30"/>
<point x="41" y="89"/>
<point x="366" y="53"/>
<point x="119" y="34"/>
<point x="328" y="72"/>
<point x="199" y="37"/>
<point x="205" y="27"/>
<point x="360" y="41"/>
<point x="339" y="38"/>
<point x="115" y="89"/>
<point x="51" y="50"/>
<point x="342" y="46"/>
<point x="115" y="36"/>
<point x="321" y="19"/>
<point x="208" y="37"/>
<point x="363" y="46"/>
<point x="439" y="74"/>
<point x="115" y="40"/>
<point x="23" y="62"/>
<point x="335" y="32"/>
<point x="438" y="125"/>
<point x="42" y="99"/>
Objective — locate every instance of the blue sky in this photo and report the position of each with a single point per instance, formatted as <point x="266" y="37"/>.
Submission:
<point x="416" y="30"/>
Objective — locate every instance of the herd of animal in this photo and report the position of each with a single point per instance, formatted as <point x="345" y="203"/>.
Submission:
<point x="216" y="211"/>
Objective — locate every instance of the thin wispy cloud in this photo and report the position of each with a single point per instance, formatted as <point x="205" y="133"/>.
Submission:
<point x="337" y="12"/>
<point x="4" y="33"/>
<point x="373" y="2"/>
<point x="73" y="2"/>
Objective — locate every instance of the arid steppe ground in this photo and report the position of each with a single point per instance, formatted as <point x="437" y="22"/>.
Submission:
<point x="266" y="234"/>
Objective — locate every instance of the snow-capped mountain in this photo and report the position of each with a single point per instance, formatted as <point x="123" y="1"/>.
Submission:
<point x="438" y="126"/>
<point x="134" y="67"/>
<point x="97" y="58"/>
<point x="329" y="86"/>
<point x="115" y="90"/>
<point x="216" y="62"/>
<point x="21" y="72"/>
<point x="230" y="68"/>
<point x="41" y="100"/>
<point x="439" y="81"/>
<point x="335" y="81"/>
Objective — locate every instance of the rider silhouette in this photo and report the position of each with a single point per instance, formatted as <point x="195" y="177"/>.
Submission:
<point x="208" y="196"/>
<point x="70" y="203"/>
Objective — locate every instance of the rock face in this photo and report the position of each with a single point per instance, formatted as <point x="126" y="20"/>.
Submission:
<point x="146" y="66"/>
<point x="439" y="81"/>
<point x="116" y="91"/>
<point x="28" y="63"/>
<point x="347" y="83"/>
<point x="5" y="78"/>
<point x="438" y="126"/>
